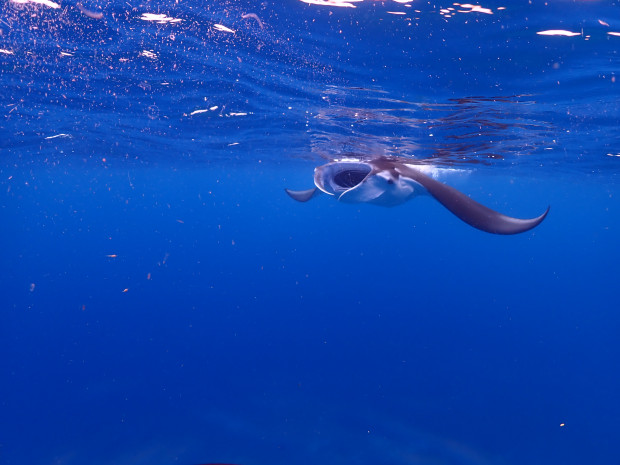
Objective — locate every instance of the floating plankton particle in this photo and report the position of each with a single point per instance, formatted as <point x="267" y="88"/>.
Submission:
<point x="89" y="13"/>
<point x="149" y="54"/>
<point x="558" y="32"/>
<point x="474" y="8"/>
<point x="58" y="135"/>
<point x="339" y="3"/>
<point x="223" y="28"/>
<point x="40" y="2"/>
<point x="159" y="18"/>
<point x="255" y="17"/>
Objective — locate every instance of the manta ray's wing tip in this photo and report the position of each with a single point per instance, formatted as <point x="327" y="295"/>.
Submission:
<point x="542" y="217"/>
<point x="302" y="196"/>
<point x="501" y="224"/>
<point x="539" y="219"/>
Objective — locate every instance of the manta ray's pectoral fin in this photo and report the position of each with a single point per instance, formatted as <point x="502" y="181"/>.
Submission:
<point x="303" y="196"/>
<point x="470" y="211"/>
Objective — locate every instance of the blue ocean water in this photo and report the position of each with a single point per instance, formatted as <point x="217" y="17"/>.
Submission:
<point x="165" y="302"/>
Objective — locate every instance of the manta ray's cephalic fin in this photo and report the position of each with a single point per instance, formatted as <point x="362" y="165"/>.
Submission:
<point x="467" y="209"/>
<point x="302" y="196"/>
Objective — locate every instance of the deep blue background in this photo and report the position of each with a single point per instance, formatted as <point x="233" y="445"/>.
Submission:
<point x="163" y="301"/>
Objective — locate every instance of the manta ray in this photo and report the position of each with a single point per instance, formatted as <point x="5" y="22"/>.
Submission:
<point x="390" y="181"/>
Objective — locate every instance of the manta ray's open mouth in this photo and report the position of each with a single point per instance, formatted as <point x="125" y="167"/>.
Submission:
<point x="350" y="178"/>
